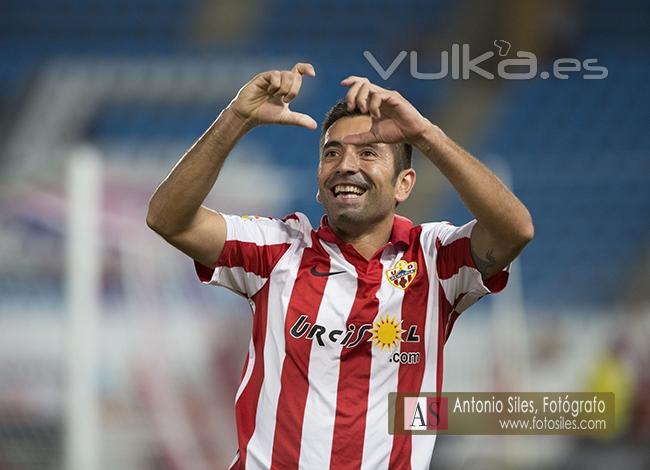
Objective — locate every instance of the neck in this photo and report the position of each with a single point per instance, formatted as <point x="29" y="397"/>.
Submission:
<point x="368" y="241"/>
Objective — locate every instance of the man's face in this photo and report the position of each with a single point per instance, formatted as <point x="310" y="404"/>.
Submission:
<point x="356" y="182"/>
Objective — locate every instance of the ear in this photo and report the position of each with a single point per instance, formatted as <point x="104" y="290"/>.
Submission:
<point x="318" y="196"/>
<point x="404" y="184"/>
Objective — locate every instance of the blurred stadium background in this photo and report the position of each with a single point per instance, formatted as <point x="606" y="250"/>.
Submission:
<point x="112" y="355"/>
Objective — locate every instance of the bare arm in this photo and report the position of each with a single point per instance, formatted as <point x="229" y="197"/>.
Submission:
<point x="175" y="210"/>
<point x="504" y="225"/>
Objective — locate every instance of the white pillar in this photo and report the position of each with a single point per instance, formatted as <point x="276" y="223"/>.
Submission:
<point x="83" y="304"/>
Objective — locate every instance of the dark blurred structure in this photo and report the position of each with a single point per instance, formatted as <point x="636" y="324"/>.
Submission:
<point x="576" y="148"/>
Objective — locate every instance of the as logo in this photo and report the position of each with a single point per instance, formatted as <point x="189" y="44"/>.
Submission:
<point x="402" y="274"/>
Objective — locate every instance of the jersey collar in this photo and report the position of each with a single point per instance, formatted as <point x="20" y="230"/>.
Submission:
<point x="399" y="234"/>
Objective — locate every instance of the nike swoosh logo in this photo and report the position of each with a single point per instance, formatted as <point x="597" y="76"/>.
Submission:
<point x="316" y="273"/>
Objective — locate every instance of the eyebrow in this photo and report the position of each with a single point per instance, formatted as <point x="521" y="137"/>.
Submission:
<point x="338" y="144"/>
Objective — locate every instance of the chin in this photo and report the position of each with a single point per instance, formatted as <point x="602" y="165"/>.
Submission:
<point x="349" y="216"/>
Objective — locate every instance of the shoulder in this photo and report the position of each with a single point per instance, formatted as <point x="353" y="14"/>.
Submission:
<point x="292" y="227"/>
<point x="443" y="233"/>
<point x="298" y="221"/>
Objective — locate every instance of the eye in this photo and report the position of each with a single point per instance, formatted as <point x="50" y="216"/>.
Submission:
<point x="368" y="153"/>
<point x="330" y="153"/>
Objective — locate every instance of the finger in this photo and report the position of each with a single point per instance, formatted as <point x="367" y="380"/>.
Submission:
<point x="362" y="97"/>
<point x="304" y="69"/>
<point x="274" y="79"/>
<point x="374" y="104"/>
<point x="299" y="119"/>
<point x="363" y="138"/>
<point x="285" y="84"/>
<point x="353" y="79"/>
<point x="295" y="88"/>
<point x="351" y="96"/>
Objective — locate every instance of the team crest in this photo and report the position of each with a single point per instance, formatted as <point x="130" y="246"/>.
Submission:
<point x="402" y="274"/>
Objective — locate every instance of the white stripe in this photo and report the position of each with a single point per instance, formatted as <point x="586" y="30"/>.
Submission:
<point x="237" y="280"/>
<point x="422" y="445"/>
<point x="448" y="233"/>
<point x="422" y="450"/>
<point x="260" y="446"/>
<point x="261" y="231"/>
<point x="383" y="379"/>
<point x="467" y="280"/>
<point x="324" y="364"/>
<point x="265" y="231"/>
<point x="249" y="369"/>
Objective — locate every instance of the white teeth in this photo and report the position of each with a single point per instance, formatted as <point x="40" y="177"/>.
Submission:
<point x="347" y="188"/>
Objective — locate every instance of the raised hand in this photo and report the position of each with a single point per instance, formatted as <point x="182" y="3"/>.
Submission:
<point x="265" y="99"/>
<point x="394" y="119"/>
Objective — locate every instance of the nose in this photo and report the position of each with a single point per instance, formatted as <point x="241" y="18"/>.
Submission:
<point x="349" y="162"/>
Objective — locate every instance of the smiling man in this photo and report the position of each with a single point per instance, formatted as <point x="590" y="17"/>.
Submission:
<point x="360" y="306"/>
<point x="358" y="183"/>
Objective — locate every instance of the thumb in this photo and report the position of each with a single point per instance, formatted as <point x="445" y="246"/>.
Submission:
<point x="304" y="69"/>
<point x="299" y="119"/>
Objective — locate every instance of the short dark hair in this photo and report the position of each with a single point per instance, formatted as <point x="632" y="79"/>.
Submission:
<point x="402" y="151"/>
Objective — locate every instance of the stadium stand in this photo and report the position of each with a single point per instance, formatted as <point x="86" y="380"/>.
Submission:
<point x="576" y="152"/>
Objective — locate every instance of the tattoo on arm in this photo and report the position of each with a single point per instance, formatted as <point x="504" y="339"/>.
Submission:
<point x="485" y="265"/>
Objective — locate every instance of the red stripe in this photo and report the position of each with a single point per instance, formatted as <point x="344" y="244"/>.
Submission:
<point x="457" y="254"/>
<point x="256" y="259"/>
<point x="453" y="256"/>
<point x="452" y="315"/>
<point x="306" y="297"/>
<point x="246" y="406"/>
<point x="414" y="308"/>
<point x="354" y="374"/>
<point x="497" y="282"/>
<point x="204" y="273"/>
<point x="291" y="217"/>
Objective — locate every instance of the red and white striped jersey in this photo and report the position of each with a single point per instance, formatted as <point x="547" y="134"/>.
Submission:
<point x="334" y="333"/>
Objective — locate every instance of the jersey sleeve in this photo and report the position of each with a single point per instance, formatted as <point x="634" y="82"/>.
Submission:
<point x="460" y="280"/>
<point x="253" y="247"/>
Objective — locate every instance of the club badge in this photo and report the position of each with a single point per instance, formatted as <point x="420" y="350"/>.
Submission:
<point x="402" y="274"/>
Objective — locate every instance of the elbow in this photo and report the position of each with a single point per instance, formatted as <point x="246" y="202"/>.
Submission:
<point x="520" y="231"/>
<point x="154" y="221"/>
<point x="526" y="232"/>
<point x="163" y="222"/>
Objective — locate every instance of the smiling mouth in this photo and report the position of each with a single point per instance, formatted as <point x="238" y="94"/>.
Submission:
<point x="347" y="191"/>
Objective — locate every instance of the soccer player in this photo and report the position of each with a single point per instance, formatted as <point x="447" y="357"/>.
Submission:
<point x="359" y="307"/>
